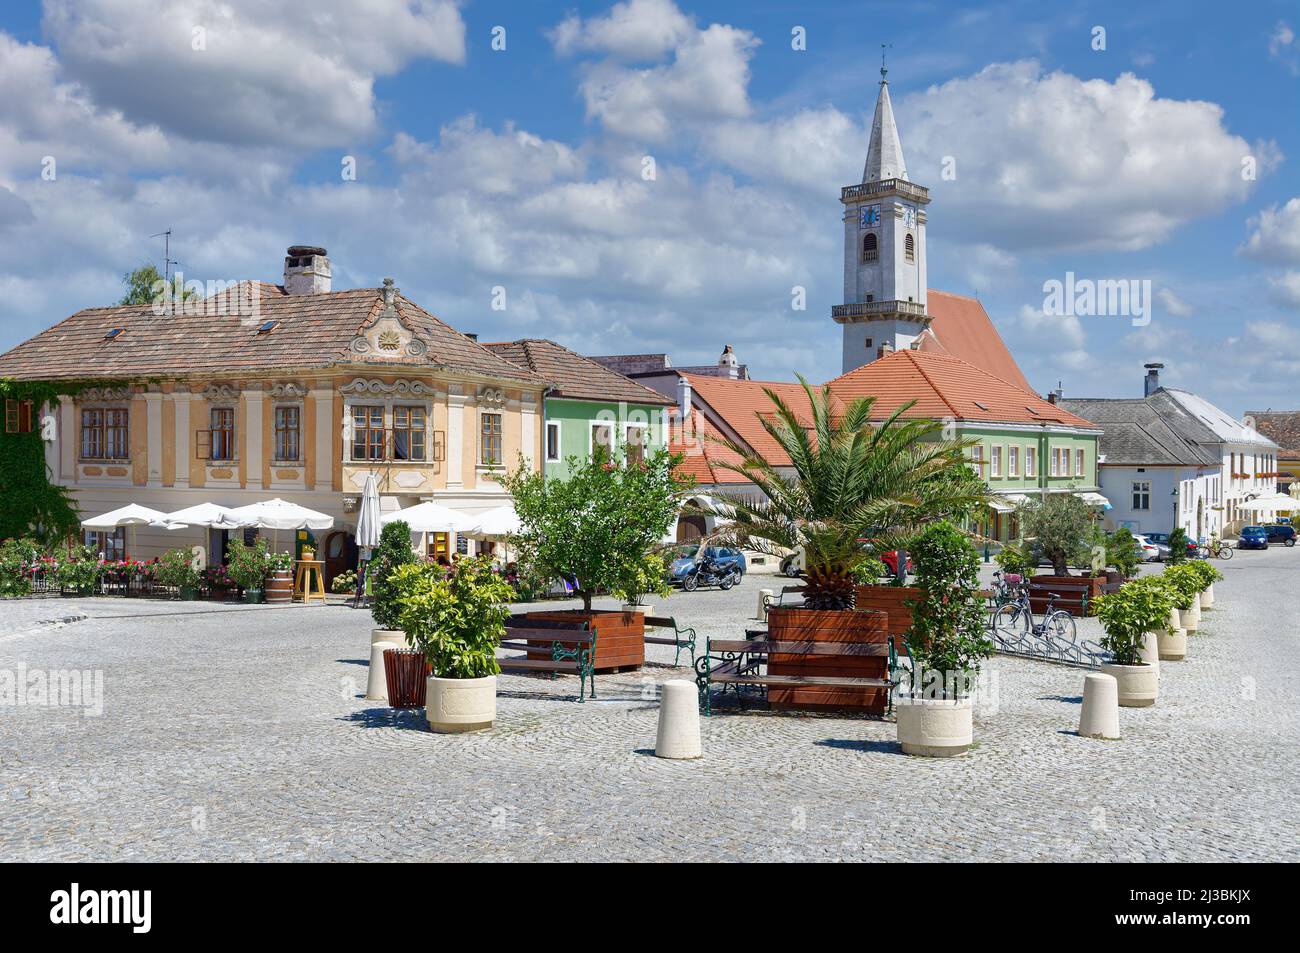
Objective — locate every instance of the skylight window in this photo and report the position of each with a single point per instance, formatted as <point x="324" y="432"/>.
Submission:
<point x="267" y="326"/>
<point x="112" y="333"/>
<point x="983" y="407"/>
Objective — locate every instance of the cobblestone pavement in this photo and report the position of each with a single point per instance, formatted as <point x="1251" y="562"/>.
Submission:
<point x="237" y="733"/>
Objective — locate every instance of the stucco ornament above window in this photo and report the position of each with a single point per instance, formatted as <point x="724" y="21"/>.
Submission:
<point x="492" y="397"/>
<point x="363" y="386"/>
<point x="388" y="335"/>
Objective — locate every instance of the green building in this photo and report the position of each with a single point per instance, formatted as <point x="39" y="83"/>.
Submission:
<point x="588" y="406"/>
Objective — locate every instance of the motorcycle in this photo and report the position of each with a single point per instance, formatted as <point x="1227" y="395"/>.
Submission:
<point x="709" y="573"/>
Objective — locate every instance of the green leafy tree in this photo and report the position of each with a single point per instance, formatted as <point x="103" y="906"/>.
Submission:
<point x="1058" y="523"/>
<point x="1015" y="557"/>
<point x="1122" y="552"/>
<point x="394" y="550"/>
<point x="145" y="284"/>
<point x="858" y="489"/>
<point x="598" y="524"/>
<point x="949" y="635"/>
<point x="455" y="617"/>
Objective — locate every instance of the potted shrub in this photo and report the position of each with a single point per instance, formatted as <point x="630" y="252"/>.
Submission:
<point x="175" y="570"/>
<point x="247" y="567"/>
<point x="455" y="619"/>
<point x="1185" y="582"/>
<point x="16" y="555"/>
<point x="1014" y="559"/>
<point x="588" y="528"/>
<point x="393" y="552"/>
<point x="1122" y="553"/>
<point x="642" y="577"/>
<point x="856" y="490"/>
<point x="78" y="570"/>
<point x="947" y="641"/>
<point x="1177" y="545"/>
<point x="1127" y="617"/>
<point x="1208" y="576"/>
<point x="1171" y="639"/>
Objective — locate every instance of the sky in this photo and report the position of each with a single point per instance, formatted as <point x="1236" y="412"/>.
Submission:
<point x="659" y="176"/>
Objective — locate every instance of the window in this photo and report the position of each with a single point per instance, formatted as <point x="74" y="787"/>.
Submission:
<point x="104" y="434"/>
<point x="1078" y="462"/>
<point x="223" y="434"/>
<point x="909" y="249"/>
<point x="870" y="252"/>
<point x="1141" y="494"/>
<point x="408" y="433"/>
<point x="996" y="469"/>
<point x="368" y="432"/>
<point x="18" y="416"/>
<point x="490" y="440"/>
<point x="1031" y="464"/>
<point x="287" y="434"/>
<point x="602" y="440"/>
<point x="977" y="459"/>
<point x="637" y="438"/>
<point x="552" y="441"/>
<point x="1013" y="461"/>
<point x="1056" y="461"/>
<point x="109" y="545"/>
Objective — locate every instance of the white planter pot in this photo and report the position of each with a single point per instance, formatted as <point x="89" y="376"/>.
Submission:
<point x="1175" y="622"/>
<point x="1191" y="617"/>
<point x="396" y="636"/>
<point x="1138" y="684"/>
<point x="934" y="728"/>
<point x="1172" y="644"/>
<point x="460" y="704"/>
<point x="1207" y="597"/>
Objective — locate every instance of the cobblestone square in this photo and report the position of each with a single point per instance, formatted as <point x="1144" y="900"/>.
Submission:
<point x="240" y="733"/>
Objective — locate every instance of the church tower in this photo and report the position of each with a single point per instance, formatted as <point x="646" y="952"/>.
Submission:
<point x="884" y="249"/>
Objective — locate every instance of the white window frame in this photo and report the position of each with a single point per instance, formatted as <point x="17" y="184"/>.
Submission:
<point x="1031" y="461"/>
<point x="644" y="427"/>
<point x="546" y="441"/>
<point x="1013" y="461"/>
<point x="995" y="462"/>
<point x="977" y="459"/>
<point x="1138" y="490"/>
<point x="1079" y="460"/>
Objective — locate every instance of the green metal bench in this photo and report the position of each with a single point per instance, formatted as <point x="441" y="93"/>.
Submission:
<point x="778" y="601"/>
<point x="572" y="647"/>
<point x="738" y="663"/>
<point x="682" y="637"/>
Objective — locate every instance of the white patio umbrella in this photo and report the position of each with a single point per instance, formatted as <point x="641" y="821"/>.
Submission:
<point x="281" y="514"/>
<point x="498" y="522"/>
<point x="131" y="515"/>
<point x="432" y="518"/>
<point x="368" y="527"/>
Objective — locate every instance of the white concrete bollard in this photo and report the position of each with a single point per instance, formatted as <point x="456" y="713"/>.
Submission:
<point x="1099" y="714"/>
<point x="376" y="683"/>
<point x="763" y="596"/>
<point x="679" y="720"/>
<point x="1151" y="651"/>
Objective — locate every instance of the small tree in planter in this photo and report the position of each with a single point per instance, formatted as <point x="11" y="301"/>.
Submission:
<point x="947" y="642"/>
<point x="175" y="570"/>
<point x="647" y="576"/>
<point x="1015" y="558"/>
<point x="1207" y="576"/>
<point x="1127" y="616"/>
<point x="1058" y="522"/>
<point x="1177" y="545"/>
<point x="78" y="569"/>
<point x="1121" y="552"/>
<point x="393" y="552"/>
<point x="589" y="528"/>
<point x="456" y="620"/>
<point x="1184" y="581"/>
<point x="246" y="563"/>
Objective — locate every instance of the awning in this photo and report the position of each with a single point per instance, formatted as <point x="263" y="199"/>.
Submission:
<point x="1002" y="505"/>
<point x="1094" y="499"/>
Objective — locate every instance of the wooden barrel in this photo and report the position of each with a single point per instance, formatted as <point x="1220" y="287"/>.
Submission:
<point x="279" y="586"/>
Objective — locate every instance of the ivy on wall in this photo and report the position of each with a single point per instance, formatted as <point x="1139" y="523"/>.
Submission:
<point x="31" y="503"/>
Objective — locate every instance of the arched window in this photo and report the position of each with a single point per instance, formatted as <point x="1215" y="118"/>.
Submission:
<point x="869" y="249"/>
<point x="909" y="248"/>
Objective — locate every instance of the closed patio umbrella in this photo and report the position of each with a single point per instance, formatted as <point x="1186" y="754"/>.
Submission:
<point x="368" y="528"/>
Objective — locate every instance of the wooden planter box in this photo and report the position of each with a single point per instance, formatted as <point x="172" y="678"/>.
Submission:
<point x="891" y="600"/>
<point x="821" y="625"/>
<point x="620" y="636"/>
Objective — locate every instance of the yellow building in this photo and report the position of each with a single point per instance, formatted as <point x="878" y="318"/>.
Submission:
<point x="293" y="391"/>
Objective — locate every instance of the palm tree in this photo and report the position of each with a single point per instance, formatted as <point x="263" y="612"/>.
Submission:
<point x="857" y="489"/>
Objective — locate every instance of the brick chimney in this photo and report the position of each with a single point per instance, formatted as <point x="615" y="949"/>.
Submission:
<point x="306" y="270"/>
<point x="1152" y="382"/>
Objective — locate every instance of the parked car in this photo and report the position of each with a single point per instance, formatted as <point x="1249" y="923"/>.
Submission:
<point x="890" y="559"/>
<point x="1253" y="537"/>
<point x="1148" y="551"/>
<point x="723" y="556"/>
<point x="1281" y="533"/>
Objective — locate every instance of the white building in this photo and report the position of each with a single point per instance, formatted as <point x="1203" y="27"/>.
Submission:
<point x="1171" y="458"/>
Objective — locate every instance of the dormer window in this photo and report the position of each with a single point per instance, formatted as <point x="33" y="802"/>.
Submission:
<point x="909" y="249"/>
<point x="870" y="248"/>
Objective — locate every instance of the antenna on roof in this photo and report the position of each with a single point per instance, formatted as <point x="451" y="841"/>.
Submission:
<point x="168" y="261"/>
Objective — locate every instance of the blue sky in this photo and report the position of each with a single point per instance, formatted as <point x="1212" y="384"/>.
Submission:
<point x="522" y="168"/>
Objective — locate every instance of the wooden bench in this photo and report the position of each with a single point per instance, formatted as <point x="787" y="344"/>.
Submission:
<point x="572" y="649"/>
<point x="778" y="601"/>
<point x="1075" y="596"/>
<point x="682" y="638"/>
<point x="737" y="662"/>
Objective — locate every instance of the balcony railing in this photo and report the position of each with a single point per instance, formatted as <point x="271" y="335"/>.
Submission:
<point x="852" y="193"/>
<point x="863" y="309"/>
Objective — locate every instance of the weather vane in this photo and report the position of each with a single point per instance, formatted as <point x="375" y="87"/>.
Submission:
<point x="883" y="68"/>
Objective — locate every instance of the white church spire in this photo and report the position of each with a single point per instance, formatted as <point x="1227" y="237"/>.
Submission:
<point x="884" y="151"/>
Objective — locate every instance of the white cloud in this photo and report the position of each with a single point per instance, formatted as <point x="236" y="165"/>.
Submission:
<point x="289" y="73"/>
<point x="1171" y="303"/>
<point x="1276" y="236"/>
<point x="1286" y="288"/>
<point x="1282" y="47"/>
<point x="810" y="149"/>
<point x="1023" y="180"/>
<point x="468" y="156"/>
<point x="637" y="29"/>
<point x="1060" y="336"/>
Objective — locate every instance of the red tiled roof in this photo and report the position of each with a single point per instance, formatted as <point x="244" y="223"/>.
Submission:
<point x="701" y="453"/>
<point x="741" y="402"/>
<point x="311" y="331"/>
<point x="575" y="376"/>
<point x="946" y="386"/>
<point x="962" y="328"/>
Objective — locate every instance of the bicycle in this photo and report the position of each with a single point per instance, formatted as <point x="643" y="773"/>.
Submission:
<point x="1216" y="548"/>
<point x="1014" y="621"/>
